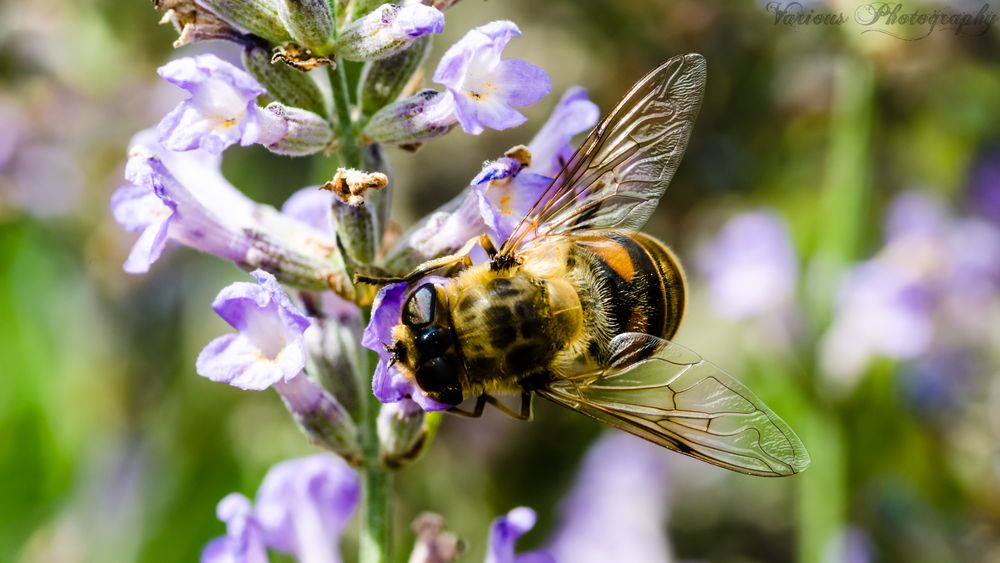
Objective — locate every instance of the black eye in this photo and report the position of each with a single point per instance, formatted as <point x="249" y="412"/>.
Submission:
<point x="438" y="378"/>
<point x="432" y="342"/>
<point x="419" y="308"/>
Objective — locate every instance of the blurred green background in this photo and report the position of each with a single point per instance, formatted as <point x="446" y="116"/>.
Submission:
<point x="113" y="449"/>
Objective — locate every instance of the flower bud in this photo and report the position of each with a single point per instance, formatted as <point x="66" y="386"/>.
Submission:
<point x="413" y="120"/>
<point x="330" y="352"/>
<point x="195" y="23"/>
<point x="310" y="22"/>
<point x="289" y="86"/>
<point x="384" y="79"/>
<point x="318" y="414"/>
<point x="387" y="30"/>
<point x="259" y="17"/>
<point x="359" y="226"/>
<point x="305" y="132"/>
<point x="402" y="432"/>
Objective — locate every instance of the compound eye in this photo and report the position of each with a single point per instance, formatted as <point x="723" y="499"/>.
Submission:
<point x="419" y="308"/>
<point x="437" y="377"/>
<point x="432" y="341"/>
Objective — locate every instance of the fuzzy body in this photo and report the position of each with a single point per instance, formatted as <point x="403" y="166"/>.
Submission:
<point x="555" y="313"/>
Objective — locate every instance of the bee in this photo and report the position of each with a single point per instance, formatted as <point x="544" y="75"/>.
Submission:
<point x="578" y="307"/>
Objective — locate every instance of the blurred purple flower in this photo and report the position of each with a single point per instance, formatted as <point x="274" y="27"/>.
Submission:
<point x="485" y="88"/>
<point x="750" y="266"/>
<point x="925" y="290"/>
<point x="984" y="185"/>
<point x="222" y="109"/>
<point x="618" y="507"/>
<point x="268" y="347"/>
<point x="302" y="508"/>
<point x="389" y="384"/>
<point x="243" y="542"/>
<point x="504" y="533"/>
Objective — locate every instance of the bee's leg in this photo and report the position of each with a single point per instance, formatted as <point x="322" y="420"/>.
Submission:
<point x="475" y="413"/>
<point x="526" y="403"/>
<point x="461" y="256"/>
<point x="487" y="243"/>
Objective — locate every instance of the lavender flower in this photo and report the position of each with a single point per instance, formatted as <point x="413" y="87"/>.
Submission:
<point x="302" y="508"/>
<point x="221" y="111"/>
<point x="486" y="88"/>
<point x="268" y="347"/>
<point x="182" y="196"/>
<point x="750" y="266"/>
<point x="618" y="506"/>
<point x="159" y="203"/>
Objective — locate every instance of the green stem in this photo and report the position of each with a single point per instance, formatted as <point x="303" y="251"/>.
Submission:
<point x="375" y="545"/>
<point x="347" y="141"/>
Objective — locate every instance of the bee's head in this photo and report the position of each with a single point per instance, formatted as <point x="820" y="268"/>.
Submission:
<point x="424" y="345"/>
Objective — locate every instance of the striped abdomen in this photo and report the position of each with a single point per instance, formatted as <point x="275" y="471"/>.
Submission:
<point x="641" y="283"/>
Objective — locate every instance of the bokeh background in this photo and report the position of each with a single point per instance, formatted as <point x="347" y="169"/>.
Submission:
<point x="838" y="211"/>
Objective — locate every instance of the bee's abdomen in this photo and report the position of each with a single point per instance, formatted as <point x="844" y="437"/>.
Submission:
<point x="643" y="283"/>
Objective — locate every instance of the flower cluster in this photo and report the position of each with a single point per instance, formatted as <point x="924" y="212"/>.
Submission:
<point x="297" y="327"/>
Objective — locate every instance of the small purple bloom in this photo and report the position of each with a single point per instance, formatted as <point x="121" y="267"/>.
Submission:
<point x="302" y="508"/>
<point x="160" y="203"/>
<point x="221" y="110"/>
<point x="268" y="347"/>
<point x="750" y="266"/>
<point x="389" y="384"/>
<point x="485" y="87"/>
<point x="504" y="533"/>
<point x="243" y="542"/>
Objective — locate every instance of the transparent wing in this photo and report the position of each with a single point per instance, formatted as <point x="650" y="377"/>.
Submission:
<point x="623" y="167"/>
<point x="670" y="396"/>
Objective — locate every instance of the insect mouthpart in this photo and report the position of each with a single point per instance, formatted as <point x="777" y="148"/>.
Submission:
<point x="397" y="352"/>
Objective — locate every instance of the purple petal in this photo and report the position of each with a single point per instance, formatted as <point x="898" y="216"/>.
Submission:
<point x="148" y="247"/>
<point x="386" y="310"/>
<point x="618" y="505"/>
<point x="243" y="542"/>
<point x="550" y="149"/>
<point x="475" y="115"/>
<point x="311" y="206"/>
<point x="504" y="533"/>
<point x="502" y="205"/>
<point x="303" y="506"/>
<point x="522" y="83"/>
<point x="269" y="346"/>
<point x="235" y="360"/>
<point x="418" y="20"/>
<point x="221" y="110"/>
<point x="750" y="266"/>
